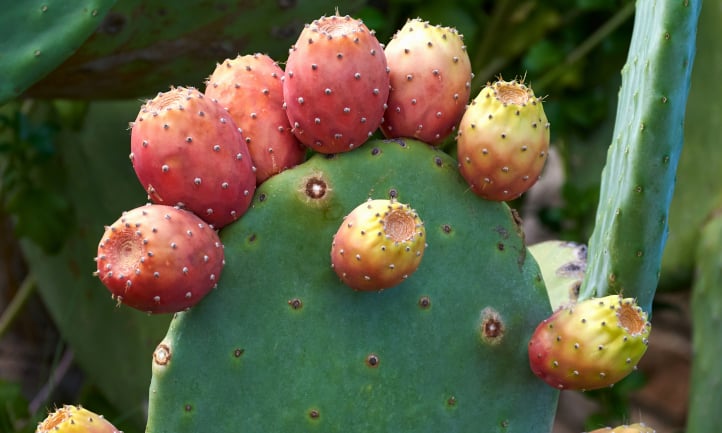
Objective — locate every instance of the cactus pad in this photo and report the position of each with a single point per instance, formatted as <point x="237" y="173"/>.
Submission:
<point x="38" y="35"/>
<point x="625" y="248"/>
<point x="283" y="345"/>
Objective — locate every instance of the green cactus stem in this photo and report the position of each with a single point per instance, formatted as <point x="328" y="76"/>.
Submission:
<point x="697" y="186"/>
<point x="282" y="345"/>
<point x="631" y="227"/>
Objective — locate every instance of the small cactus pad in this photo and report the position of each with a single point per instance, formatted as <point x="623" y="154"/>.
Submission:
<point x="562" y="265"/>
<point x="282" y="345"/>
<point x="75" y="419"/>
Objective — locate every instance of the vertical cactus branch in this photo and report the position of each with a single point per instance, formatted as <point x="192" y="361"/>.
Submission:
<point x="626" y="246"/>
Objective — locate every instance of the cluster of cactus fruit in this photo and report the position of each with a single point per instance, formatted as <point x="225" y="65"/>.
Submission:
<point x="212" y="162"/>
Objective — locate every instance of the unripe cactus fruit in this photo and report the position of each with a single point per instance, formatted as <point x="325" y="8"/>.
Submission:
<point x="75" y="419"/>
<point x="591" y="344"/>
<point x="187" y="151"/>
<point x="159" y="259"/>
<point x="250" y="88"/>
<point x="378" y="245"/>
<point x="336" y="84"/>
<point x="632" y="428"/>
<point x="503" y="141"/>
<point x="430" y="76"/>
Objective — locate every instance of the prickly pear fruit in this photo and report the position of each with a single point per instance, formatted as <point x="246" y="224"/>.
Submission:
<point x="336" y="84"/>
<point x="159" y="259"/>
<point x="187" y="151"/>
<point x="75" y="419"/>
<point x="430" y="76"/>
<point x="632" y="428"/>
<point x="591" y="344"/>
<point x="378" y="245"/>
<point x="503" y="141"/>
<point x="250" y="88"/>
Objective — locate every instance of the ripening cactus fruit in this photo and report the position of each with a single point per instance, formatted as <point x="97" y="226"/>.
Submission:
<point x="378" y="245"/>
<point x="430" y="76"/>
<point x="159" y="259"/>
<point x="75" y="419"/>
<point x="632" y="428"/>
<point x="503" y="141"/>
<point x="591" y="344"/>
<point x="250" y="88"/>
<point x="187" y="151"/>
<point x="336" y="84"/>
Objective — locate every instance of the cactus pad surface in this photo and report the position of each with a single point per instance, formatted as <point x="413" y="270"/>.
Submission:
<point x="38" y="35"/>
<point x="283" y="345"/>
<point x="625" y="248"/>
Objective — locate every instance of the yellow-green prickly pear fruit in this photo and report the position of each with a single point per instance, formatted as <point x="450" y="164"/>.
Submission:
<point x="503" y="141"/>
<point x="591" y="344"/>
<point x="632" y="428"/>
<point x="75" y="419"/>
<point x="378" y="245"/>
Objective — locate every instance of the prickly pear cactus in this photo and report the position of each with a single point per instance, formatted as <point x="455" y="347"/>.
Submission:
<point x="282" y="345"/>
<point x="625" y="249"/>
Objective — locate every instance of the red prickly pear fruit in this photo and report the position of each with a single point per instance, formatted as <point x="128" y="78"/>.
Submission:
<point x="503" y="141"/>
<point x="591" y="344"/>
<point x="632" y="428"/>
<point x="187" y="151"/>
<point x="336" y="84"/>
<point x="159" y="259"/>
<point x="250" y="88"/>
<point x="430" y="76"/>
<point x="378" y="245"/>
<point x="75" y="419"/>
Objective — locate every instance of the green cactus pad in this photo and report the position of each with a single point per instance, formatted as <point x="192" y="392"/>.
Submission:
<point x="699" y="190"/>
<point x="625" y="248"/>
<point x="283" y="346"/>
<point x="38" y="35"/>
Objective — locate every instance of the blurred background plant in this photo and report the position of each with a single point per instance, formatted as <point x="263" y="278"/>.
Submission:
<point x="65" y="173"/>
